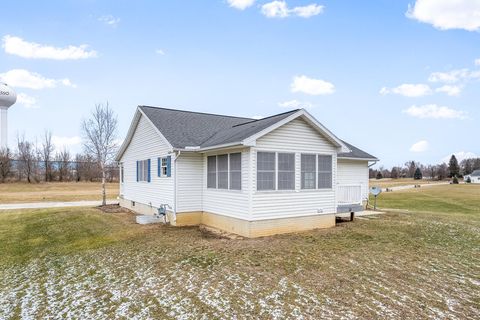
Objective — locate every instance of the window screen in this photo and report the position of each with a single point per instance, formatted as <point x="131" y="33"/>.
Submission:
<point x="143" y="170"/>
<point x="286" y="171"/>
<point x="265" y="171"/>
<point x="308" y="168"/>
<point x="235" y="171"/>
<point x="222" y="171"/>
<point x="324" y="172"/>
<point x="212" y="172"/>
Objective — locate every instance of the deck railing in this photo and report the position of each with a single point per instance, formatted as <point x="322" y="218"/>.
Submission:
<point x="349" y="194"/>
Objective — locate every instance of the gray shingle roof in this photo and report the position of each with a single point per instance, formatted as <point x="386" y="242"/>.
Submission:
<point x="355" y="153"/>
<point x="475" y="173"/>
<point x="196" y="129"/>
<point x="191" y="129"/>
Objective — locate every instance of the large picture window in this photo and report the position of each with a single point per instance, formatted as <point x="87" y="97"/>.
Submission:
<point x="212" y="172"/>
<point x="266" y="170"/>
<point x="324" y="171"/>
<point x="286" y="171"/>
<point x="224" y="171"/>
<point x="308" y="168"/>
<point x="235" y="171"/>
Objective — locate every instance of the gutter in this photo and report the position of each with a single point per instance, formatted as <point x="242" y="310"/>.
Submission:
<point x="175" y="185"/>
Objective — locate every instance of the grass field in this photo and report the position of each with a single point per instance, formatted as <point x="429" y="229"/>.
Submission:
<point x="83" y="263"/>
<point x="388" y="183"/>
<point x="54" y="191"/>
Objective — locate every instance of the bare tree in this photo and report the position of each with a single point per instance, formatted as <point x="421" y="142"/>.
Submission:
<point x="5" y="163"/>
<point x="46" y="154"/>
<point x="100" y="132"/>
<point x="27" y="158"/>
<point x="63" y="162"/>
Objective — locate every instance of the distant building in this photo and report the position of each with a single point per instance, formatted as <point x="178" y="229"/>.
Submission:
<point x="474" y="176"/>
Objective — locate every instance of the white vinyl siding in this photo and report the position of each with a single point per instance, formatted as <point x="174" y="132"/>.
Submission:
<point x="146" y="143"/>
<point x="309" y="171"/>
<point x="286" y="171"/>
<point x="324" y="172"/>
<point x="352" y="172"/>
<point x="190" y="182"/>
<point x="297" y="137"/>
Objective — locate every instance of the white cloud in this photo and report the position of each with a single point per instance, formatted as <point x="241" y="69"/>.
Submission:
<point x="408" y="90"/>
<point x="420" y="146"/>
<point x="308" y="11"/>
<point x="433" y="111"/>
<point x="279" y="9"/>
<point x="453" y="76"/>
<point x="31" y="50"/>
<point x="66" y="142"/>
<point x="27" y="101"/>
<point x="311" y="86"/>
<point x="109" y="20"/>
<point x="450" y="90"/>
<point x="22" y="78"/>
<point x="447" y="14"/>
<point x="295" y="104"/>
<point x="160" y="52"/>
<point x="477" y="62"/>
<point x="460" y="155"/>
<point x="240" y="4"/>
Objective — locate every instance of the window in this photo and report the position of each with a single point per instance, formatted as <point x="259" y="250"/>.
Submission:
<point x="143" y="170"/>
<point x="235" y="171"/>
<point x="265" y="170"/>
<point x="163" y="167"/>
<point x="308" y="168"/>
<point x="121" y="172"/>
<point x="324" y="172"/>
<point x="286" y="171"/>
<point x="212" y="172"/>
<point x="222" y="171"/>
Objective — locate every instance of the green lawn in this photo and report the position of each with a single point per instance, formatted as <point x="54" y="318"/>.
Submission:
<point x="82" y="263"/>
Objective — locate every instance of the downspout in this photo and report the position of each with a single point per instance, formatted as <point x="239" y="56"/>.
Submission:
<point x="175" y="186"/>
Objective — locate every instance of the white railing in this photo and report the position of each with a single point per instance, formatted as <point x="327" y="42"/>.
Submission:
<point x="349" y="194"/>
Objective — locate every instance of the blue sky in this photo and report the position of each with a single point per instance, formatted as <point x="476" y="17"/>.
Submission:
<point x="399" y="83"/>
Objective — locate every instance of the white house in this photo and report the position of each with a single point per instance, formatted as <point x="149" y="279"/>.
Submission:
<point x="474" y="177"/>
<point x="278" y="174"/>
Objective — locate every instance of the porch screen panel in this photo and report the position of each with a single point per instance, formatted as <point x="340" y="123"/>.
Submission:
<point x="235" y="171"/>
<point x="211" y="172"/>
<point x="324" y="172"/>
<point x="265" y="170"/>
<point x="308" y="168"/>
<point x="286" y="171"/>
<point x="222" y="171"/>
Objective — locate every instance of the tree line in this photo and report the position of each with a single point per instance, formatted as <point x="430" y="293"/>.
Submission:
<point x="35" y="162"/>
<point x="417" y="170"/>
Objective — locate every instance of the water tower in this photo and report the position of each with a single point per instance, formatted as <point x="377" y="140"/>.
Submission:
<point x="7" y="99"/>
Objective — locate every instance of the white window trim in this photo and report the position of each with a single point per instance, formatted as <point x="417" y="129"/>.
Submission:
<point x="143" y="171"/>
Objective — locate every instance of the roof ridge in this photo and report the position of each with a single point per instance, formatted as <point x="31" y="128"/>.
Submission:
<point x="197" y="112"/>
<point x="275" y="115"/>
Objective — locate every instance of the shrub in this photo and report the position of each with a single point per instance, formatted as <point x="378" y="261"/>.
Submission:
<point x="455" y="180"/>
<point x="379" y="175"/>
<point x="469" y="180"/>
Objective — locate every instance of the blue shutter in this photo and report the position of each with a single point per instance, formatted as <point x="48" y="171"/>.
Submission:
<point x="149" y="177"/>
<point x="169" y="166"/>
<point x="137" y="170"/>
<point x="159" y="167"/>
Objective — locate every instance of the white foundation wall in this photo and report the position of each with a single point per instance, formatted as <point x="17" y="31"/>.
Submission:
<point x="146" y="143"/>
<point x="297" y="137"/>
<point x="353" y="172"/>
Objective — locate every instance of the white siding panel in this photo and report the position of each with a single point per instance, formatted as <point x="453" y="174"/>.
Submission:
<point x="189" y="182"/>
<point x="299" y="137"/>
<point x="146" y="143"/>
<point x="233" y="203"/>
<point x="354" y="172"/>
